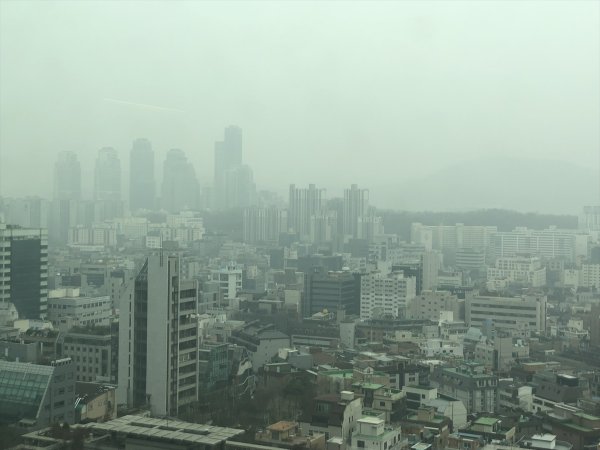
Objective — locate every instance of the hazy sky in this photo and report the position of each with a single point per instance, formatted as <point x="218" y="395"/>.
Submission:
<point x="326" y="92"/>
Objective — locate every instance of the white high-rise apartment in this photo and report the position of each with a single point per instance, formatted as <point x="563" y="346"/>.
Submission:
<point x="549" y="243"/>
<point x="385" y="294"/>
<point x="520" y="269"/>
<point x="356" y="208"/>
<point x="452" y="237"/>
<point x="158" y="338"/>
<point x="303" y="204"/>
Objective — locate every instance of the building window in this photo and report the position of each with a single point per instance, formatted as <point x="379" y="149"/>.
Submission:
<point x="360" y="444"/>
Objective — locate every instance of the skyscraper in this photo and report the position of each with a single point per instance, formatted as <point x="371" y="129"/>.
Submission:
<point x="107" y="184"/>
<point x="24" y="270"/>
<point x="356" y="206"/>
<point x="141" y="175"/>
<point x="67" y="177"/>
<point x="158" y="338"/>
<point x="239" y="187"/>
<point x="107" y="175"/>
<point x="67" y="195"/>
<point x="303" y="204"/>
<point x="180" y="189"/>
<point x="228" y="155"/>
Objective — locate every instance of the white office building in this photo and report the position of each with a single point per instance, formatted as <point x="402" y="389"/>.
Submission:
<point x="521" y="315"/>
<point x="229" y="279"/>
<point x="385" y="294"/>
<point x="518" y="269"/>
<point x="158" y="339"/>
<point x="67" y="309"/>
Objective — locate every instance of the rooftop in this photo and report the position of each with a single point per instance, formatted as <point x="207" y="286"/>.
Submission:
<point x="282" y="426"/>
<point x="486" y="421"/>
<point x="166" y="430"/>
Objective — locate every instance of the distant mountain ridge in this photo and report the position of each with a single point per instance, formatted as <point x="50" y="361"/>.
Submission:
<point x="526" y="185"/>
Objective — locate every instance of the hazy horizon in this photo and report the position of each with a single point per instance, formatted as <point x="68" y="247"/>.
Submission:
<point x="383" y="94"/>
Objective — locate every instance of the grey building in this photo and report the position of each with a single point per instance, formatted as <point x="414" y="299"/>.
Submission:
<point x="469" y="383"/>
<point x="24" y="270"/>
<point x="334" y="291"/>
<point x="94" y="353"/>
<point x="35" y="396"/>
<point x="262" y="342"/>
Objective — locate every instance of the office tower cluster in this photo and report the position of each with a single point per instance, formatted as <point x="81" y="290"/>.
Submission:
<point x="315" y="219"/>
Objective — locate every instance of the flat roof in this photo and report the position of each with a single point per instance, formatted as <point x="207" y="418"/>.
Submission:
<point x="543" y="437"/>
<point x="487" y="421"/>
<point x="167" y="430"/>
<point x="371" y="420"/>
<point x="281" y="426"/>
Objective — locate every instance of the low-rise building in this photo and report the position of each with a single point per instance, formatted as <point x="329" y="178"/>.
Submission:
<point x="95" y="402"/>
<point x="94" y="353"/>
<point x="285" y="434"/>
<point x="66" y="309"/>
<point x="34" y="396"/>
<point x="372" y="434"/>
<point x="334" y="415"/>
<point x="429" y="304"/>
<point x="470" y="383"/>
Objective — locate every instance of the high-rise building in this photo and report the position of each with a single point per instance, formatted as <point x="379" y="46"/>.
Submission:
<point x="228" y="155"/>
<point x="337" y="292"/>
<point x="304" y="204"/>
<point x="67" y="177"/>
<point x="386" y="294"/>
<point x="356" y="209"/>
<point x="107" y="184"/>
<point x="141" y="175"/>
<point x="180" y="189"/>
<point x="24" y="270"/>
<point x="239" y="187"/>
<point x="107" y="175"/>
<point x="27" y="212"/>
<point x="67" y="195"/>
<point x="264" y="224"/>
<point x="323" y="226"/>
<point x="158" y="338"/>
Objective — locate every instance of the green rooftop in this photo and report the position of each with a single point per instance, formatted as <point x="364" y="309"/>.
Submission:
<point x="586" y="416"/>
<point x="337" y="373"/>
<point x="486" y="421"/>
<point x="577" y="427"/>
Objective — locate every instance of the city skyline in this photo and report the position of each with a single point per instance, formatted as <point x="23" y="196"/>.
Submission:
<point x="412" y="115"/>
